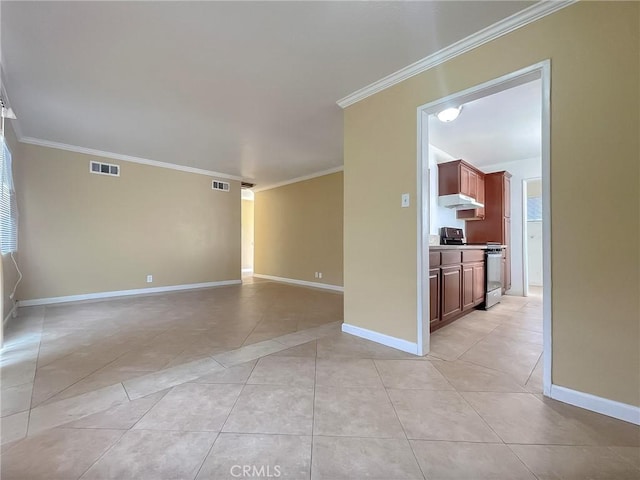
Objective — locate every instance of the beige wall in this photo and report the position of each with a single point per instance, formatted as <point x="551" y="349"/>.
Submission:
<point x="85" y="233"/>
<point x="247" y="234"/>
<point x="298" y="230"/>
<point x="9" y="274"/>
<point x="593" y="48"/>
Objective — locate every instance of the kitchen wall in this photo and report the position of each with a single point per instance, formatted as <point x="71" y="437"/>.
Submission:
<point x="8" y="273"/>
<point x="84" y="233"/>
<point x="247" y="234"/>
<point x="298" y="230"/>
<point x="594" y="52"/>
<point x="520" y="170"/>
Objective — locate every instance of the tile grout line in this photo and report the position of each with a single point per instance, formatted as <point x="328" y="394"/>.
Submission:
<point x="406" y="437"/>
<point x="521" y="461"/>
<point x="35" y="371"/>
<point x="107" y="450"/>
<point x="534" y="368"/>
<point x="91" y="373"/>
<point x="313" y="407"/>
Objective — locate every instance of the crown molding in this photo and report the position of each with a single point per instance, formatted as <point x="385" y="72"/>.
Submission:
<point x="125" y="158"/>
<point x="498" y="29"/>
<point x="300" y="179"/>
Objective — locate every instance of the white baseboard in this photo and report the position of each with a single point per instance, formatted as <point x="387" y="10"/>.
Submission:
<point x="304" y="283"/>
<point x="124" y="293"/>
<point x="611" y="408"/>
<point x="381" y="338"/>
<point x="247" y="270"/>
<point x="9" y="315"/>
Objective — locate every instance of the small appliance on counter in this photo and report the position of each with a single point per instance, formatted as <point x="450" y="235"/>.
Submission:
<point x="451" y="236"/>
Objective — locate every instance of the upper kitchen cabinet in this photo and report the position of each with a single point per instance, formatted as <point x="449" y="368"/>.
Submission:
<point x="460" y="186"/>
<point x="458" y="177"/>
<point x="475" y="213"/>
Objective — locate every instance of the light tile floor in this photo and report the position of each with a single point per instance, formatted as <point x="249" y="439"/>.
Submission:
<point x="187" y="389"/>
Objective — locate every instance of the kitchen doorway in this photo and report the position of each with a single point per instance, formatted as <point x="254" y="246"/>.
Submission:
<point x="540" y="72"/>
<point x="532" y="241"/>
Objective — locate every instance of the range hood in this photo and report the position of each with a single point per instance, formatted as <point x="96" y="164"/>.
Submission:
<point x="458" y="201"/>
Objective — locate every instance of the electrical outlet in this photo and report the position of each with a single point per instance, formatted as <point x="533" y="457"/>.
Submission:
<point x="149" y="278"/>
<point x="319" y="274"/>
<point x="315" y="275"/>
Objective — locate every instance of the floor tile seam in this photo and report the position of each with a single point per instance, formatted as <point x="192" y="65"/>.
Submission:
<point x="78" y="381"/>
<point x="244" y="386"/>
<point x="481" y="417"/>
<point x="35" y="371"/>
<point x="502" y="372"/>
<point x="313" y="407"/>
<point x="107" y="450"/>
<point x="406" y="439"/>
<point x="517" y="340"/>
<point x="206" y="455"/>
<point x="534" y="368"/>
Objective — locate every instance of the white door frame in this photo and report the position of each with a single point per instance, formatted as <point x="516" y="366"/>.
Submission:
<point x="541" y="71"/>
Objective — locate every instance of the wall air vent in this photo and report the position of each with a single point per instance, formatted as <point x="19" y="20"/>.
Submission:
<point x="104" y="169"/>
<point x="218" y="185"/>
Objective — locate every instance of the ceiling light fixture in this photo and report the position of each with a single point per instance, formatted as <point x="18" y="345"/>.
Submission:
<point x="449" y="114"/>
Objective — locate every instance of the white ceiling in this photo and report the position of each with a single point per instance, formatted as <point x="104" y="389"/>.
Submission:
<point x="502" y="127"/>
<point x="242" y="88"/>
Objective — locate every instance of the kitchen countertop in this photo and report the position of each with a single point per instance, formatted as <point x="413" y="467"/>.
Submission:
<point x="463" y="247"/>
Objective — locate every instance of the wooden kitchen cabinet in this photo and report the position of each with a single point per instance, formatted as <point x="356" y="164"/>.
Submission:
<point x="467" y="287"/>
<point x="456" y="283"/>
<point x="475" y="213"/>
<point x="458" y="177"/>
<point x="496" y="225"/>
<point x="434" y="296"/>
<point x="451" y="292"/>
<point x="478" y="283"/>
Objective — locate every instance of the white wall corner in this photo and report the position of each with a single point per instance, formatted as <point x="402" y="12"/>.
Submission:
<point x="381" y="338"/>
<point x="303" y="283"/>
<point x="124" y="293"/>
<point x="10" y="315"/>
<point x="610" y="408"/>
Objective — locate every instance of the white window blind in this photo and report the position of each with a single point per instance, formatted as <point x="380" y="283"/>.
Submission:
<point x="8" y="208"/>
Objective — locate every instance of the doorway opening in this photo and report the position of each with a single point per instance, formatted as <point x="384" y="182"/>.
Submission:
<point x="516" y="278"/>
<point x="532" y="237"/>
<point x="246" y="232"/>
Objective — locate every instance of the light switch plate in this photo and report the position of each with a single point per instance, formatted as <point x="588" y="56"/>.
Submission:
<point x="405" y="200"/>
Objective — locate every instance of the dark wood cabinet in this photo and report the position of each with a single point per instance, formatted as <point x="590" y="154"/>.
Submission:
<point x="467" y="287"/>
<point x="456" y="283"/>
<point x="477" y="179"/>
<point x="478" y="284"/>
<point x="434" y="296"/>
<point x="459" y="177"/>
<point x="496" y="224"/>
<point x="450" y="290"/>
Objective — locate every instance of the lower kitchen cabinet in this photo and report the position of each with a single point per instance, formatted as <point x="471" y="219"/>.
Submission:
<point x="456" y="284"/>
<point x="451" y="292"/>
<point x="467" y="287"/>
<point x="434" y="296"/>
<point x="478" y="283"/>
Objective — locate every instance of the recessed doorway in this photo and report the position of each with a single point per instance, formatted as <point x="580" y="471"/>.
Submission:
<point x="534" y="77"/>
